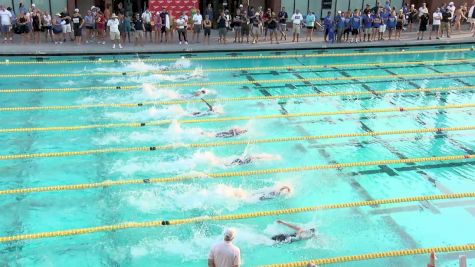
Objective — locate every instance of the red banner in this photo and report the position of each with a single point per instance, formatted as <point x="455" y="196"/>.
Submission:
<point x="174" y="7"/>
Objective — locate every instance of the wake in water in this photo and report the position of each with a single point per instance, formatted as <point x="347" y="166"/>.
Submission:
<point x="215" y="198"/>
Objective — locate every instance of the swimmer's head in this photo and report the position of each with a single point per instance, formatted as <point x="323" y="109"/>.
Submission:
<point x="312" y="230"/>
<point x="284" y="190"/>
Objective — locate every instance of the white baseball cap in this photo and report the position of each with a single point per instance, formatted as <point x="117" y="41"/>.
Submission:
<point x="33" y="5"/>
<point x="230" y="233"/>
<point x="76" y="10"/>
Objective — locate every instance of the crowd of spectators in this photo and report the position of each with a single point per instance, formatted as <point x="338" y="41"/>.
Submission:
<point x="247" y="25"/>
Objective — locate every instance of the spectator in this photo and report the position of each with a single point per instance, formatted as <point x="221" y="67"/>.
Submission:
<point x="222" y="30"/>
<point x="209" y="11"/>
<point x="436" y="17"/>
<point x="66" y="18"/>
<point x="471" y="16"/>
<point x="265" y="22"/>
<point x="58" y="29"/>
<point x="207" y="24"/>
<point x="327" y="25"/>
<point x="22" y="27"/>
<point x="181" y="28"/>
<point x="272" y="28"/>
<point x="197" y="25"/>
<point x="47" y="26"/>
<point x="412" y="17"/>
<point x="340" y="26"/>
<point x="255" y="24"/>
<point x="78" y="22"/>
<point x="355" y="22"/>
<point x="225" y="253"/>
<point x="296" y="25"/>
<point x="165" y="22"/>
<point x="458" y="16"/>
<point x="127" y="28"/>
<point x="367" y="25"/>
<point x="283" y="16"/>
<point x="36" y="25"/>
<point x="89" y="25"/>
<point x="309" y="24"/>
<point x="423" y="10"/>
<point x="113" y="24"/>
<point x="138" y="29"/>
<point x="237" y="22"/>
<point x="424" y="20"/>
<point x="6" y="22"/>
<point x="100" y="27"/>
<point x="245" y="27"/>
<point x="147" y="18"/>
<point x="156" y="25"/>
<point x="445" y="22"/>
<point x="399" y="24"/>
<point x="347" y="23"/>
<point x="377" y="23"/>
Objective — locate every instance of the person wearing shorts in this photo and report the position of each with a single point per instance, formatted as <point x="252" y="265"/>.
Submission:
<point x="113" y="25"/>
<point x="197" y="25"/>
<point x="78" y="22"/>
<point x="355" y="22"/>
<point x="297" y="19"/>
<point x="237" y="22"/>
<point x="391" y="24"/>
<point x="66" y="25"/>
<point x="165" y="24"/>
<point x="100" y="27"/>
<point x="207" y="24"/>
<point x="436" y="17"/>
<point x="222" y="30"/>
<point x="255" y="27"/>
<point x="139" y="29"/>
<point x="367" y="24"/>
<point x="89" y="25"/>
<point x="272" y="28"/>
<point x="6" y="21"/>
<point x="57" y="29"/>
<point x="283" y="16"/>
<point x="445" y="22"/>
<point x="147" y="19"/>
<point x="245" y="26"/>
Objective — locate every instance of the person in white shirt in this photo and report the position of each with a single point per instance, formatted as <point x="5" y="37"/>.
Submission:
<point x="147" y="22"/>
<point x="436" y="17"/>
<point x="423" y="10"/>
<point x="181" y="28"/>
<point x="471" y="16"/>
<point x="113" y="25"/>
<point x="225" y="253"/>
<point x="6" y="23"/>
<point x="197" y="21"/>
<point x="297" y="18"/>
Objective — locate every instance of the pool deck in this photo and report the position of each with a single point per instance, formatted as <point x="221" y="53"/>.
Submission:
<point x="68" y="48"/>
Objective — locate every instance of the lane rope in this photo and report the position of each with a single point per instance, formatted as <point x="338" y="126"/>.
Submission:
<point x="236" y="99"/>
<point x="225" y="119"/>
<point x="294" y="67"/>
<point x="306" y="55"/>
<point x="181" y="178"/>
<point x="146" y="224"/>
<point x="205" y="84"/>
<point x="377" y="255"/>
<point x="229" y="143"/>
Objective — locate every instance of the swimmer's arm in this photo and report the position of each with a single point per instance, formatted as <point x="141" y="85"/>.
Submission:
<point x="295" y="227"/>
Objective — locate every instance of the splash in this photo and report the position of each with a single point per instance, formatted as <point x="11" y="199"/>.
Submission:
<point x="182" y="63"/>
<point x="151" y="113"/>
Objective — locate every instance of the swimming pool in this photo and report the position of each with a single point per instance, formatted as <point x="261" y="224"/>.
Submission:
<point x="65" y="105"/>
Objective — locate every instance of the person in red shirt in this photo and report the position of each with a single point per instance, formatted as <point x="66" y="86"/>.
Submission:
<point x="100" y="26"/>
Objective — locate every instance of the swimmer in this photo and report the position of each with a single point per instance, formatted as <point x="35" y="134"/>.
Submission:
<point x="200" y="92"/>
<point x="233" y="132"/>
<point x="298" y="235"/>
<point x="249" y="159"/>
<point x="204" y="113"/>
<point x="284" y="190"/>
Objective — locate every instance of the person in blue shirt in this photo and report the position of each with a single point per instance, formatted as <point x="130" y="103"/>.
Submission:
<point x="328" y="25"/>
<point x="367" y="25"/>
<point x="346" y="21"/>
<point x="309" y="25"/>
<point x="391" y="24"/>
<point x="377" y="22"/>
<point x="340" y="26"/>
<point x="355" y="23"/>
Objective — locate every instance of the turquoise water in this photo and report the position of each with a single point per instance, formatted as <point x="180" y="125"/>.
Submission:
<point x="340" y="232"/>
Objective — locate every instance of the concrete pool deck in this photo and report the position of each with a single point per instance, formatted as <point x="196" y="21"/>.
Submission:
<point x="68" y="48"/>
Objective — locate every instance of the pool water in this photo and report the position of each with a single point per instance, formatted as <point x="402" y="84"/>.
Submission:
<point x="339" y="232"/>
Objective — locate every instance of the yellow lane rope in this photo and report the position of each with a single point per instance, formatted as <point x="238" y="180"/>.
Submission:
<point x="241" y="118"/>
<point x="295" y="67"/>
<point x="230" y="143"/>
<point x="127" y="225"/>
<point x="269" y="81"/>
<point x="306" y="55"/>
<point x="377" y="255"/>
<point x="237" y="99"/>
<point x="110" y="183"/>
